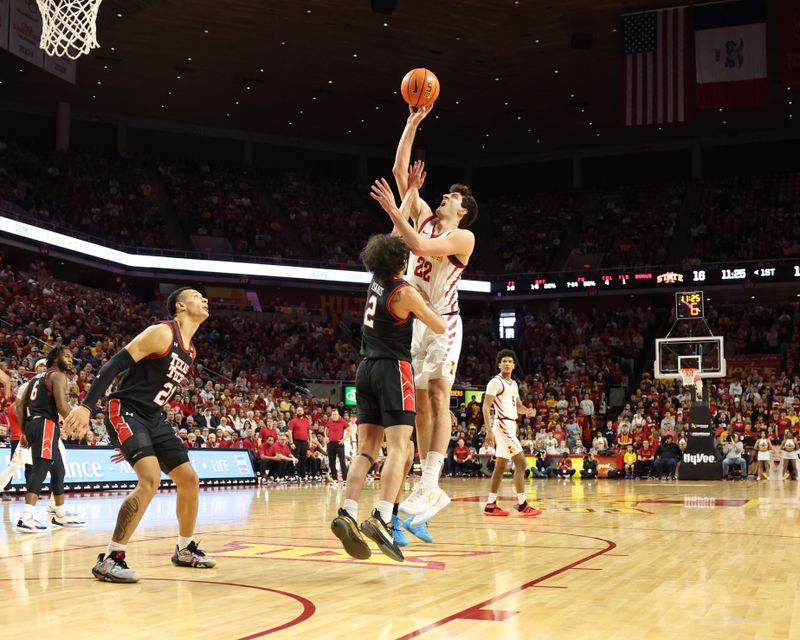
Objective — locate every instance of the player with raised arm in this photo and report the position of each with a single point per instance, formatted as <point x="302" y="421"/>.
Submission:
<point x="384" y="392"/>
<point x="155" y="364"/>
<point x="441" y="247"/>
<point x="39" y="410"/>
<point x="502" y="394"/>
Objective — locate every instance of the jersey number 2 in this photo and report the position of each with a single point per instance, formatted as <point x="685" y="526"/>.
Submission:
<point x="423" y="269"/>
<point x="165" y="395"/>
<point x="369" y="311"/>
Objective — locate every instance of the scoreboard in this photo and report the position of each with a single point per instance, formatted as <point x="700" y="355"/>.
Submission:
<point x="620" y="280"/>
<point x="689" y="305"/>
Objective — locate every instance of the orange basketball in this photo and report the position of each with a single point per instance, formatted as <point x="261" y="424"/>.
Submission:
<point x="420" y="87"/>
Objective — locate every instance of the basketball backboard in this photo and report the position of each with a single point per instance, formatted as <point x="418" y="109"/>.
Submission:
<point x="706" y="354"/>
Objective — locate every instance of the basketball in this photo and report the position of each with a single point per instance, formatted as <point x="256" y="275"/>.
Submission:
<point x="420" y="87"/>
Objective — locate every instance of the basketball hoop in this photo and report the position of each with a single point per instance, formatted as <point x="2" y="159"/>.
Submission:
<point x="69" y="27"/>
<point x="688" y="375"/>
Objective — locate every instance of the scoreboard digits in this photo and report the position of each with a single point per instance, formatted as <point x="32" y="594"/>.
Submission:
<point x="689" y="305"/>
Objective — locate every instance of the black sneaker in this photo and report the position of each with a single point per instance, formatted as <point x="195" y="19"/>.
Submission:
<point x="381" y="534"/>
<point x="346" y="529"/>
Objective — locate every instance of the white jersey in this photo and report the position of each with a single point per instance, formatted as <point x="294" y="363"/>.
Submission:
<point x="505" y="399"/>
<point x="436" y="276"/>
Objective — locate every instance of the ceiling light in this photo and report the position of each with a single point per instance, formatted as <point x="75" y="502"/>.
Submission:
<point x="555" y="71"/>
<point x="497" y="79"/>
<point x="113" y="49"/>
<point x="538" y="140"/>
<point x="291" y="123"/>
<point x="314" y="98"/>
<point x="301" y="112"/>
<point x="351" y="131"/>
<point x="205" y="30"/>
<point x="536" y="41"/>
<point x="163" y="106"/>
<point x="385" y="24"/>
<point x="458" y="38"/>
<point x="189" y="59"/>
<point x="456" y="101"/>
<point x="283" y="43"/>
<point x="179" y="77"/>
<point x="248" y="88"/>
<point x="519" y="117"/>
<point x="752" y="297"/>
<point x="571" y="95"/>
<point x="377" y="108"/>
<point x="98" y="82"/>
<point x="330" y="81"/>
<point x="355" y="55"/>
<point x="105" y="66"/>
<point x="119" y="15"/>
<point x="261" y="70"/>
<point x="720" y="109"/>
<point x="724" y="122"/>
<point x="308" y="10"/>
<point x="237" y="102"/>
<point x="169" y="92"/>
<point x="228" y="114"/>
<point x="613" y="31"/>
<point x="362" y="120"/>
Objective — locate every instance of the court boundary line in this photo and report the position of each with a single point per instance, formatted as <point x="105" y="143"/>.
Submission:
<point x="471" y="610"/>
<point x="309" y="609"/>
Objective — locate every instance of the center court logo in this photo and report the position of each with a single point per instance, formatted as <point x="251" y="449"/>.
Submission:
<point x="698" y="458"/>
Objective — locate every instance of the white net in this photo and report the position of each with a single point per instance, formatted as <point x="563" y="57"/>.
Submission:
<point x="688" y="376"/>
<point x="69" y="27"/>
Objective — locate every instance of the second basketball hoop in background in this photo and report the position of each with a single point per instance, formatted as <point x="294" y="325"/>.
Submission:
<point x="69" y="27"/>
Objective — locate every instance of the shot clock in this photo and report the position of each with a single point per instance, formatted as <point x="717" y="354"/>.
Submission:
<point x="689" y="305"/>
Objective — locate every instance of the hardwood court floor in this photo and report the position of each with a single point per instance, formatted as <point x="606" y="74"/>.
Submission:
<point x="628" y="559"/>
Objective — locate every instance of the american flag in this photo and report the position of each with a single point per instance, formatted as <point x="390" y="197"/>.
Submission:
<point x="655" y="50"/>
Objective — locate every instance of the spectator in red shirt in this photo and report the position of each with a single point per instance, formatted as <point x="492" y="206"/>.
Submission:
<point x="299" y="426"/>
<point x="334" y="431"/>
<point x="465" y="463"/>
<point x="279" y="459"/>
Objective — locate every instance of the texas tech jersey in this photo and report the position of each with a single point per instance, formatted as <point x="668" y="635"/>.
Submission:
<point x="437" y="276"/>
<point x="384" y="335"/>
<point x="150" y="383"/>
<point x="41" y="401"/>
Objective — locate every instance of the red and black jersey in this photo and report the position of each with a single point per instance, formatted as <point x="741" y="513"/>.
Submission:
<point x="150" y="383"/>
<point x="384" y="335"/>
<point x="41" y="401"/>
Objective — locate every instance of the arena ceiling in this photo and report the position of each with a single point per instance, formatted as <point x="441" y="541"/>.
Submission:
<point x="329" y="70"/>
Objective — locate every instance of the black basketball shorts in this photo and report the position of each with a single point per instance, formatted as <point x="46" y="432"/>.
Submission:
<point x="385" y="392"/>
<point x="139" y="436"/>
<point x="42" y="434"/>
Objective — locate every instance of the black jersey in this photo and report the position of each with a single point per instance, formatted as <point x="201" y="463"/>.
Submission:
<point x="41" y="401"/>
<point x="384" y="335"/>
<point x="150" y="383"/>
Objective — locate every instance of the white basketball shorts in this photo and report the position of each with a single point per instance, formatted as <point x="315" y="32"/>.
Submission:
<point x="435" y="355"/>
<point x="506" y="443"/>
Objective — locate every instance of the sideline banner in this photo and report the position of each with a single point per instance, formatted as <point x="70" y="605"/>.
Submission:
<point x="90" y="466"/>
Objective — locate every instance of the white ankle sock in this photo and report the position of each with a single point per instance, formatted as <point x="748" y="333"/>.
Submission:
<point x="433" y="468"/>
<point x="114" y="546"/>
<point x="492" y="498"/>
<point x="351" y="506"/>
<point x="385" y="509"/>
<point x="61" y="511"/>
<point x="521" y="498"/>
<point x="184" y="541"/>
<point x="27" y="512"/>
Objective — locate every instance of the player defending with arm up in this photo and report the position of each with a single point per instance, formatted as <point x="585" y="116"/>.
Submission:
<point x="441" y="247"/>
<point x="385" y="393"/>
<point x="502" y="394"/>
<point x="155" y="364"/>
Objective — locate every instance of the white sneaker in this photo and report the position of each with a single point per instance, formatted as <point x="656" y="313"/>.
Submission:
<point x="68" y="522"/>
<point x="30" y="525"/>
<point x="51" y="511"/>
<point x="441" y="502"/>
<point x="422" y="498"/>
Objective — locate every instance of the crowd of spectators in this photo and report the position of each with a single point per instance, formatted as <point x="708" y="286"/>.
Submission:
<point x="632" y="225"/>
<point x="107" y="197"/>
<point x="747" y="218"/>
<point x="224" y="203"/>
<point x="530" y="230"/>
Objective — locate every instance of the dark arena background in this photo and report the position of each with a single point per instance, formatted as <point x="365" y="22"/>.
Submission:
<point x="637" y="246"/>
